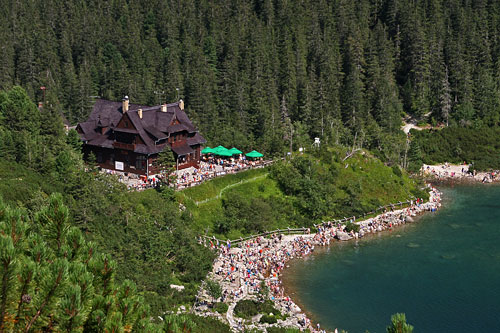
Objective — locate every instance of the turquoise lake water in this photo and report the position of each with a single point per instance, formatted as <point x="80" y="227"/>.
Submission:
<point x="442" y="272"/>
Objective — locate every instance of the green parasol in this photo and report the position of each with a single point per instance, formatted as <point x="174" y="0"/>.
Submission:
<point x="217" y="149"/>
<point x="235" y="151"/>
<point x="207" y="150"/>
<point x="224" y="153"/>
<point x="221" y="151"/>
<point x="253" y="154"/>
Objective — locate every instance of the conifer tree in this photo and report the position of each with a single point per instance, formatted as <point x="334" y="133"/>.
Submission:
<point x="52" y="279"/>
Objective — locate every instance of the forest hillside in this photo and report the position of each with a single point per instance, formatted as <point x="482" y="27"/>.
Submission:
<point x="259" y="73"/>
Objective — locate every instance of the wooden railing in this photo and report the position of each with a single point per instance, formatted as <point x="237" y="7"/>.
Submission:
<point x="291" y="231"/>
<point x="379" y="209"/>
<point x="212" y="175"/>
<point x="288" y="231"/>
<point x="126" y="146"/>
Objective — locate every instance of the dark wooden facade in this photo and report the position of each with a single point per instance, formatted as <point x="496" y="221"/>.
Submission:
<point x="128" y="138"/>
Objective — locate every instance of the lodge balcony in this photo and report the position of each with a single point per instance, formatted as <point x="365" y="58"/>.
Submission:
<point x="125" y="146"/>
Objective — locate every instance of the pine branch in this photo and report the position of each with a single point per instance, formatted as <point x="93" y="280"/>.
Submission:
<point x="46" y="300"/>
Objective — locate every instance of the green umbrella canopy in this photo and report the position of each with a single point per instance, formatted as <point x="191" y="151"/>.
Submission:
<point x="221" y="151"/>
<point x="218" y="149"/>
<point x="207" y="150"/>
<point x="235" y="151"/>
<point x="253" y="153"/>
<point x="225" y="153"/>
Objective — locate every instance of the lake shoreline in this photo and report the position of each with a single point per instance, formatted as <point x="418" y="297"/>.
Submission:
<point x="431" y="205"/>
<point x="439" y="256"/>
<point x="291" y="290"/>
<point x="457" y="174"/>
<point x="240" y="271"/>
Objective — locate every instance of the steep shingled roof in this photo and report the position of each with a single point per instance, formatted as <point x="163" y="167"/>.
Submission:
<point x="155" y="125"/>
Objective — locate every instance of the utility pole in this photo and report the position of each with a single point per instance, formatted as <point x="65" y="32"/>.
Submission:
<point x="176" y="172"/>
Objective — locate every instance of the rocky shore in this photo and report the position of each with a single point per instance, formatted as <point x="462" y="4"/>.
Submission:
<point x="252" y="270"/>
<point x="458" y="173"/>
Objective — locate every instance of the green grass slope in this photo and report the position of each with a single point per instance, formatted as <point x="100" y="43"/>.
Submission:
<point x="312" y="187"/>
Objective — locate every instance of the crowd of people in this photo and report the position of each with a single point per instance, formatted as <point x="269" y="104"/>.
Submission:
<point x="245" y="271"/>
<point x="211" y="167"/>
<point x="463" y="171"/>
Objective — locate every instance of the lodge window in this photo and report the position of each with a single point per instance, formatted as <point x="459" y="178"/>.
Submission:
<point x="112" y="158"/>
<point x="99" y="157"/>
<point x="140" y="162"/>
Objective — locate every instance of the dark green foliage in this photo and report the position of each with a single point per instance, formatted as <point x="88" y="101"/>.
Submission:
<point x="221" y="307"/>
<point x="52" y="279"/>
<point x="248" y="308"/>
<point x="267" y="319"/>
<point x="144" y="232"/>
<point x="167" y="164"/>
<point x="252" y="215"/>
<point x="214" y="289"/>
<point x="310" y="188"/>
<point x="208" y="324"/>
<point x="399" y="324"/>
<point x="192" y="323"/>
<point x="256" y="74"/>
<point x="284" y="330"/>
<point x="349" y="226"/>
<point x="457" y="145"/>
<point x="414" y="157"/>
<point x="324" y="189"/>
<point x="397" y="170"/>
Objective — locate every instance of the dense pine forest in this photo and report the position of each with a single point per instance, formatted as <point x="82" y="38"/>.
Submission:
<point x="253" y="73"/>
<point x="263" y="74"/>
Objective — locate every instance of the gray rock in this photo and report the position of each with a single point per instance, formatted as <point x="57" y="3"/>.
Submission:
<point x="256" y="318"/>
<point x="343" y="236"/>
<point x="409" y="219"/>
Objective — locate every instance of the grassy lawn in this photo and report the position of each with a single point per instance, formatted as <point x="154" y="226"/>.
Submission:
<point x="212" y="188"/>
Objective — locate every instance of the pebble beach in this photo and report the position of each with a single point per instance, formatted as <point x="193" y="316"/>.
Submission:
<point x="244" y="271"/>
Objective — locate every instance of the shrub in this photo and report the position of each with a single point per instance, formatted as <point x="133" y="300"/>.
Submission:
<point x="397" y="171"/>
<point x="221" y="307"/>
<point x="248" y="308"/>
<point x="349" y="226"/>
<point x="275" y="329"/>
<point x="267" y="319"/>
<point x="214" y="289"/>
<point x="208" y="324"/>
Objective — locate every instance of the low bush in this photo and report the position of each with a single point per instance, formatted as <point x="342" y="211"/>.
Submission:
<point x="275" y="329"/>
<point x="349" y="226"/>
<point x="248" y="308"/>
<point x="458" y="144"/>
<point x="267" y="319"/>
<point x="207" y="324"/>
<point x="221" y="307"/>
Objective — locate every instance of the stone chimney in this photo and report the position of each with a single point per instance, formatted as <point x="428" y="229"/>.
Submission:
<point x="125" y="104"/>
<point x="164" y="108"/>
<point x="139" y="112"/>
<point x="181" y="104"/>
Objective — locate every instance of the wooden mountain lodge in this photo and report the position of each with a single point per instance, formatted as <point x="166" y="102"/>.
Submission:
<point x="128" y="137"/>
